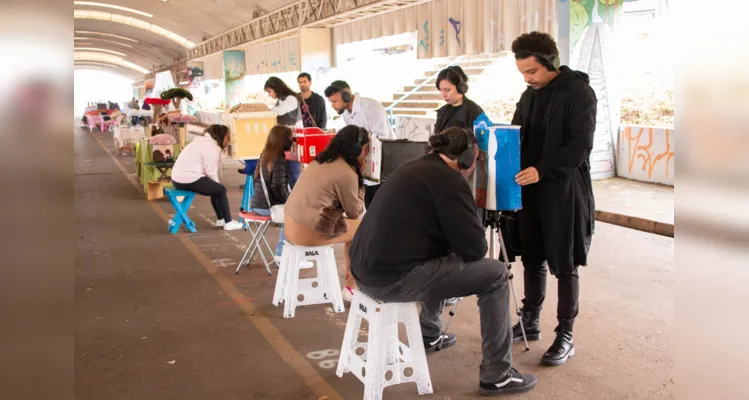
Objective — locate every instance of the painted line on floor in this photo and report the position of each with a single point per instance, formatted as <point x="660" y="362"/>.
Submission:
<point x="288" y="353"/>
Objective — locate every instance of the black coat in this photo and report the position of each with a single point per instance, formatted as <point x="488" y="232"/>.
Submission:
<point x="462" y="116"/>
<point x="563" y="198"/>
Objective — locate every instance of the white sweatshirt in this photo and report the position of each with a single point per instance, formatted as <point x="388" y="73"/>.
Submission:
<point x="198" y="159"/>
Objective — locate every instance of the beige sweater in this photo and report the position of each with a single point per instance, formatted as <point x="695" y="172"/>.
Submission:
<point x="323" y="193"/>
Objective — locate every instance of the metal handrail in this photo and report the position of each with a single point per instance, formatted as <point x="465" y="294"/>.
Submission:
<point x="416" y="89"/>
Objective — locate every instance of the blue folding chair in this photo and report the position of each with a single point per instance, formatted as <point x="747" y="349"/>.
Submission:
<point x="181" y="207"/>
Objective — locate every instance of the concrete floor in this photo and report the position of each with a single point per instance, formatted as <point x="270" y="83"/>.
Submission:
<point x="162" y="316"/>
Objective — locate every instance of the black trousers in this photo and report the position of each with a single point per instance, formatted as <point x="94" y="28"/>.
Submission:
<point x="535" y="248"/>
<point x="208" y="187"/>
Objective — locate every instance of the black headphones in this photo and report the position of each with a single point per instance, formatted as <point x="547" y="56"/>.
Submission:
<point x="466" y="158"/>
<point x="550" y="61"/>
<point x="461" y="86"/>
<point x="345" y="94"/>
<point x="361" y="137"/>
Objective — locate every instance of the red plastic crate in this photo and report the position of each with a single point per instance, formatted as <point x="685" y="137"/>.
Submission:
<point x="310" y="142"/>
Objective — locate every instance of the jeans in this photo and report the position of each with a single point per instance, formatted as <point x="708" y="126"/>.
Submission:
<point x="208" y="187"/>
<point x="451" y="276"/>
<point x="266" y="213"/>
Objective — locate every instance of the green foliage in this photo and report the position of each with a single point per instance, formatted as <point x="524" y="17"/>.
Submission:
<point x="178" y="93"/>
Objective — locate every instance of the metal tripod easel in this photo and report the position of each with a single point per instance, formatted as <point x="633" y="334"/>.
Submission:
<point x="493" y="222"/>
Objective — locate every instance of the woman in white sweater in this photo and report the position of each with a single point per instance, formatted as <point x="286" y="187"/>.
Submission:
<point x="287" y="102"/>
<point x="196" y="170"/>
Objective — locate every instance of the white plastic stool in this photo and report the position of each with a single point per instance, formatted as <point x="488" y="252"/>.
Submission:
<point x="384" y="359"/>
<point x="325" y="288"/>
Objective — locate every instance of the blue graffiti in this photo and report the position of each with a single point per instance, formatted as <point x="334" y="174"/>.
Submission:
<point x="292" y="59"/>
<point x="442" y="37"/>
<point x="425" y="42"/>
<point x="456" y="25"/>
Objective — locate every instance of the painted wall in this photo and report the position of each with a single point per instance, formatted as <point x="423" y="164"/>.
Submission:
<point x="415" y="129"/>
<point x="646" y="153"/>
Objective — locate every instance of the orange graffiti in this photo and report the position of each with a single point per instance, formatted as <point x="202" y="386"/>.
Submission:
<point x="644" y="152"/>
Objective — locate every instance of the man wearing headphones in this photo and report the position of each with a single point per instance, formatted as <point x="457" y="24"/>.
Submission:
<point x="557" y="115"/>
<point x="459" y="111"/>
<point x="421" y="240"/>
<point x="364" y="112"/>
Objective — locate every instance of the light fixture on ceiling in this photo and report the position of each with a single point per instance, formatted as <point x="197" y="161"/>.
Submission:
<point x="102" y="40"/>
<point x="107" y="58"/>
<point x="134" y="22"/>
<point x="99" y="50"/>
<point x="107" y="34"/>
<point x="95" y="4"/>
<point x="97" y="63"/>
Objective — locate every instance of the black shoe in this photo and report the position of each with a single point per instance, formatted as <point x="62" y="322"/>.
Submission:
<point x="513" y="382"/>
<point x="561" y="349"/>
<point x="432" y="344"/>
<point x="531" y="325"/>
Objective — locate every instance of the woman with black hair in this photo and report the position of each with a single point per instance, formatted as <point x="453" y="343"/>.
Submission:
<point x="196" y="170"/>
<point x="287" y="101"/>
<point x="331" y="186"/>
<point x="460" y="111"/>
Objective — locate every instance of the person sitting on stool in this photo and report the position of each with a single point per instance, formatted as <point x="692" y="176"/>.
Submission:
<point x="421" y="240"/>
<point x="275" y="170"/>
<point x="196" y="170"/>
<point x="364" y="112"/>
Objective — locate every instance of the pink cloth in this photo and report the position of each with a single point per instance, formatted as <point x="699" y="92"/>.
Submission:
<point x="163" y="138"/>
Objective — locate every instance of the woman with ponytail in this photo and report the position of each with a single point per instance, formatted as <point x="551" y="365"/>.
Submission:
<point x="328" y="200"/>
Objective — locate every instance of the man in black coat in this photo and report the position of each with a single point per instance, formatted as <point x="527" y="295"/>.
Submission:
<point x="557" y="115"/>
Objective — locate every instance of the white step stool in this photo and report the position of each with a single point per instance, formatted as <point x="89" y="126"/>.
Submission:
<point x="325" y="288"/>
<point x="384" y="359"/>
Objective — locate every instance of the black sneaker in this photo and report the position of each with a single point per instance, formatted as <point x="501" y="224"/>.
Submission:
<point x="513" y="382"/>
<point x="432" y="344"/>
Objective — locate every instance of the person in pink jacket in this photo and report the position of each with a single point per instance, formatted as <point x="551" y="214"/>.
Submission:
<point x="196" y="170"/>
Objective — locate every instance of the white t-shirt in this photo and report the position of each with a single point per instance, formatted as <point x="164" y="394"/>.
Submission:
<point x="371" y="115"/>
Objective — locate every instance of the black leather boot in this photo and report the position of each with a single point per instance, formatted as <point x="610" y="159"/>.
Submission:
<point x="562" y="348"/>
<point x="530" y="322"/>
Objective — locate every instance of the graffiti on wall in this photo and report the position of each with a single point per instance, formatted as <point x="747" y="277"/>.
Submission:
<point x="425" y="42"/>
<point x="646" y="153"/>
<point x="583" y="13"/>
<point x="456" y="26"/>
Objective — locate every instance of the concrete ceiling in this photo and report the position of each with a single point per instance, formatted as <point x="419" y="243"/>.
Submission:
<point x="195" y="20"/>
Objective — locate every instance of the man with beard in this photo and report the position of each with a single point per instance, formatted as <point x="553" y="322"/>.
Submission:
<point x="557" y="115"/>
<point x="364" y="112"/>
<point x="313" y="105"/>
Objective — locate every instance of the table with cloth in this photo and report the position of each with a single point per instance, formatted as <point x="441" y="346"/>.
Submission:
<point x="150" y="173"/>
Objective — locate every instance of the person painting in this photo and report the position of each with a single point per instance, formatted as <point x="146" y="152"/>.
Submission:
<point x="287" y="101"/>
<point x="460" y="111"/>
<point x="196" y="170"/>
<point x="326" y="205"/>
<point x="314" y="113"/>
<point x="421" y="240"/>
<point x="557" y="115"/>
<point x="275" y="170"/>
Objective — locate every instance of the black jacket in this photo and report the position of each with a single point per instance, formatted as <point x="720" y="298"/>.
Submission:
<point x="314" y="112"/>
<point x="565" y="190"/>
<point x="276" y="182"/>
<point x="425" y="210"/>
<point x="462" y="116"/>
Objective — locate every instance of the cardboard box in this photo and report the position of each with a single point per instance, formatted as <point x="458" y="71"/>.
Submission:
<point x="249" y="131"/>
<point x="386" y="155"/>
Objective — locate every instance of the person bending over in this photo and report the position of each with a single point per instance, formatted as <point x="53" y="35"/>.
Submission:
<point x="275" y="170"/>
<point x="196" y="170"/>
<point x="421" y="240"/>
<point x="325" y="206"/>
<point x="287" y="101"/>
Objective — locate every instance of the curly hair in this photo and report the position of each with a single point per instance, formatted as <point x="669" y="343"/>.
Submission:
<point x="534" y="42"/>
<point x="346" y="144"/>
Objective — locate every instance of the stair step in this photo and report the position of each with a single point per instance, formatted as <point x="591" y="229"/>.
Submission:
<point x="469" y="63"/>
<point x="414" y="104"/>
<point x="425" y="88"/>
<point x="469" y="70"/>
<point x="413" y="112"/>
<point x="434" y="96"/>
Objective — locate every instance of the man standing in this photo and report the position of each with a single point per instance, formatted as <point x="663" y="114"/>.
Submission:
<point x="313" y="105"/>
<point x="557" y="115"/>
<point x="364" y="112"/>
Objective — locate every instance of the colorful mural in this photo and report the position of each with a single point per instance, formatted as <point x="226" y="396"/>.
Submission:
<point x="646" y="154"/>
<point x="234" y="72"/>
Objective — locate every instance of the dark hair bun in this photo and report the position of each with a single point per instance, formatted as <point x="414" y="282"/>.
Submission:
<point x="438" y="142"/>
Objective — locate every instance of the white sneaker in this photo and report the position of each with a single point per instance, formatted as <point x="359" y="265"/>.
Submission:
<point x="233" y="225"/>
<point x="220" y="223"/>
<point x="347" y="295"/>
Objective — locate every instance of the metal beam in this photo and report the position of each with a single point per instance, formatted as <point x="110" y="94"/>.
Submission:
<point x="286" y="21"/>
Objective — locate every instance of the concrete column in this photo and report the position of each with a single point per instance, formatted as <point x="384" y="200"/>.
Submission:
<point x="317" y="55"/>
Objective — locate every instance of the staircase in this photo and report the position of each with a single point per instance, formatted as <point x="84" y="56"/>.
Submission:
<point x="427" y="99"/>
